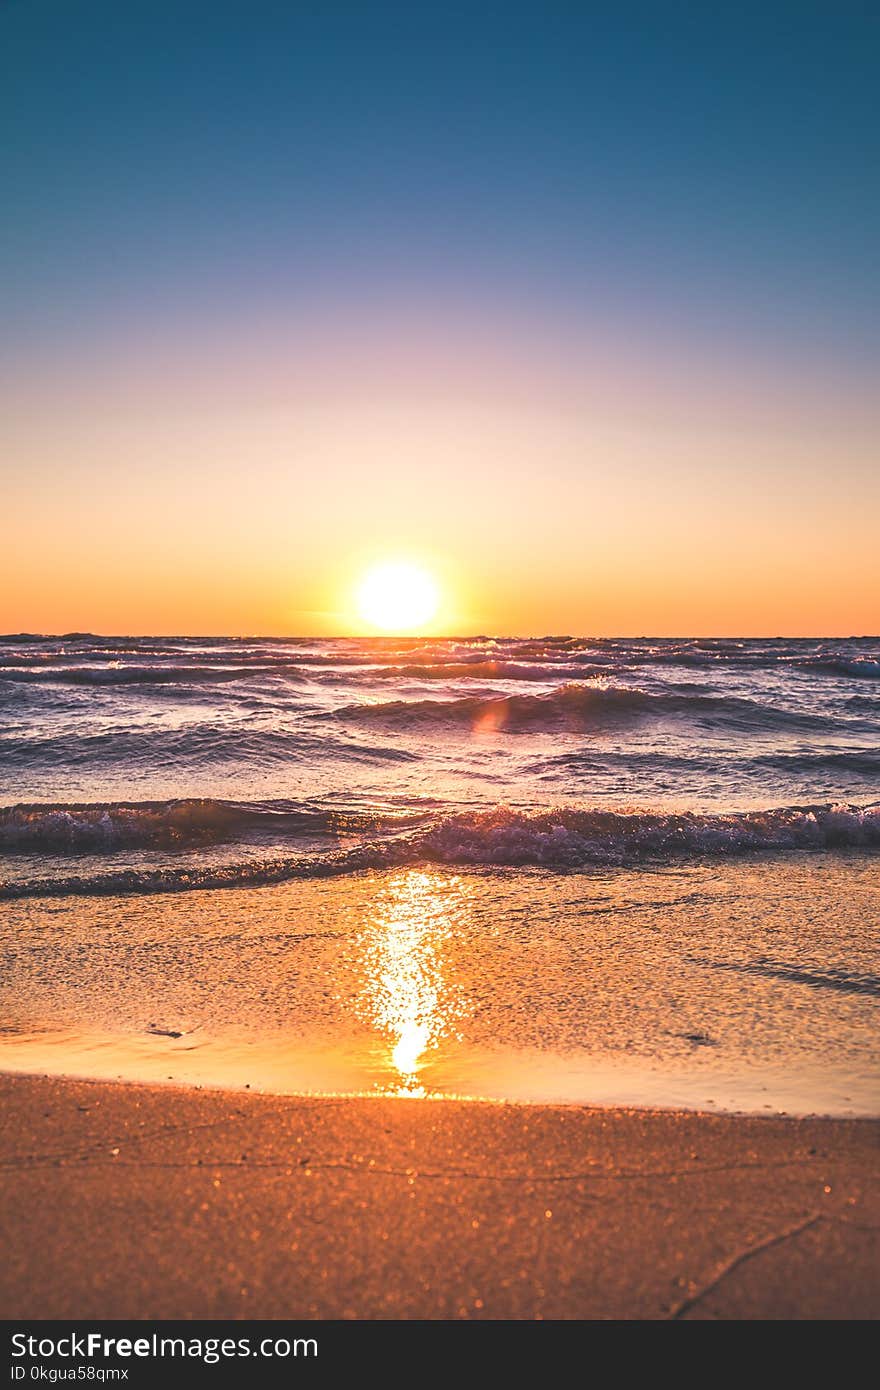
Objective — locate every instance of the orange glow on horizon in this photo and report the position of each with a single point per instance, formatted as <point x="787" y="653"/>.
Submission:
<point x="603" y="495"/>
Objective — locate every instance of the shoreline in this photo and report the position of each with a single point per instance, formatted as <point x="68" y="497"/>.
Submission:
<point x="133" y="1200"/>
<point x="640" y="1101"/>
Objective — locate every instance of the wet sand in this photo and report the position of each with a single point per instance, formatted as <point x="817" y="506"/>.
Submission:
<point x="123" y="1201"/>
<point x="751" y="986"/>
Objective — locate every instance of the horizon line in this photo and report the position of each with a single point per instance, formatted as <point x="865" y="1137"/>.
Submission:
<point x="76" y="634"/>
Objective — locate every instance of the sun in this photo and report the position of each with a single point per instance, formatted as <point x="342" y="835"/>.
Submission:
<point x="397" y="597"/>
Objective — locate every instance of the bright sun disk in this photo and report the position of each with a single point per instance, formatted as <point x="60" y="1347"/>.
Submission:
<point x="397" y="597"/>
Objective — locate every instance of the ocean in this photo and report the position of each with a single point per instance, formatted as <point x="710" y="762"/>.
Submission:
<point x="546" y="868"/>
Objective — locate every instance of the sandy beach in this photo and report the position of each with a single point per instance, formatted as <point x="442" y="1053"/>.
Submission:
<point x="124" y="1201"/>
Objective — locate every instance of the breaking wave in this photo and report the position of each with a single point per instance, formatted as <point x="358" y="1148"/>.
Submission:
<point x="178" y="824"/>
<point x="556" y="840"/>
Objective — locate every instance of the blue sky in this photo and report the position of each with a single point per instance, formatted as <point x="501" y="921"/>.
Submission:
<point x="712" y="161"/>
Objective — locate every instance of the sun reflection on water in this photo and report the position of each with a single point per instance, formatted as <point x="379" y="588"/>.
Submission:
<point x="407" y="994"/>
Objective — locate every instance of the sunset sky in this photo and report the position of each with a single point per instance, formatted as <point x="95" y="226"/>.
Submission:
<point x="574" y="305"/>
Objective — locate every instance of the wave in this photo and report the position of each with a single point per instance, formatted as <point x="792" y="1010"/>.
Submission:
<point x="500" y="670"/>
<point x="859" y="668"/>
<point x="182" y="823"/>
<point x="573" y="836"/>
<point x="863" y="704"/>
<point x="114" y="826"/>
<point x="555" y="840"/>
<point x="106" y="653"/>
<point x="70" y="656"/>
<point x="574" y="707"/>
<point x="863" y="761"/>
<point x="47" y="667"/>
<point x="196" y="746"/>
<point x="148" y="675"/>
